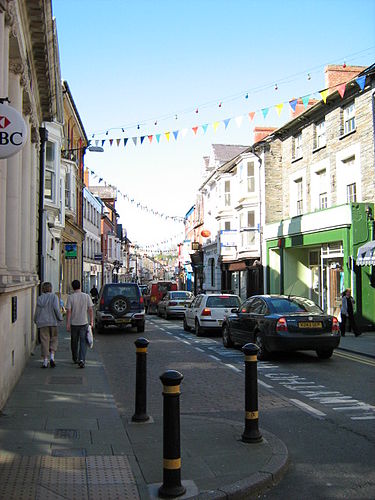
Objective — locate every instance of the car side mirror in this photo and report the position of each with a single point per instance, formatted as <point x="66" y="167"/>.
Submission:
<point x="234" y="310"/>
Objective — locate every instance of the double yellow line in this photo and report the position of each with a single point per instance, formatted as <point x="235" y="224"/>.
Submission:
<point x="355" y="357"/>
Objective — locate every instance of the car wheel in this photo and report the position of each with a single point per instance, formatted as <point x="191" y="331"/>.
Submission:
<point x="198" y="328"/>
<point x="324" y="353"/>
<point x="263" y="352"/>
<point x="140" y="327"/>
<point x="186" y="326"/>
<point x="119" y="306"/>
<point x="227" y="340"/>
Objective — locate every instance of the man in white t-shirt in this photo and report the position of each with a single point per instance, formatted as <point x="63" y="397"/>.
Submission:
<point x="79" y="315"/>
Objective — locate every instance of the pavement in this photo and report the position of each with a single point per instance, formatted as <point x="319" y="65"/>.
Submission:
<point x="63" y="437"/>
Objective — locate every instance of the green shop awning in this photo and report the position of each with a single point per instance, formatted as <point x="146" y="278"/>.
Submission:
<point x="366" y="254"/>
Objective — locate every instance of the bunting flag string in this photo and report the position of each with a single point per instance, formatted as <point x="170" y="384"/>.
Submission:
<point x="306" y="100"/>
<point x="138" y="204"/>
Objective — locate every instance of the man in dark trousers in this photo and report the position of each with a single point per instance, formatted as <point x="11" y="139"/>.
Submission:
<point x="79" y="315"/>
<point x="347" y="312"/>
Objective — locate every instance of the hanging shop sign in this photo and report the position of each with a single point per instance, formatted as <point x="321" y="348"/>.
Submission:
<point x="70" y="250"/>
<point x="13" y="131"/>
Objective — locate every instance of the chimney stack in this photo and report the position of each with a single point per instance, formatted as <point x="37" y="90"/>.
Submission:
<point x="338" y="74"/>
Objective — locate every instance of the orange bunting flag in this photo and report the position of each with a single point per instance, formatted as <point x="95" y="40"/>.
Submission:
<point x="215" y="125"/>
<point x="150" y="138"/>
<point x="195" y="130"/>
<point x="167" y="134"/>
<point x="279" y="108"/>
<point x="341" y="89"/>
<point x="251" y="115"/>
<point x="324" y="94"/>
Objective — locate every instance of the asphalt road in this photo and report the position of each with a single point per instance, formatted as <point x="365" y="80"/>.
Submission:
<point x="323" y="410"/>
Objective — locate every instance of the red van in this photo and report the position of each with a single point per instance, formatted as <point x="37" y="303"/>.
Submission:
<point x="157" y="292"/>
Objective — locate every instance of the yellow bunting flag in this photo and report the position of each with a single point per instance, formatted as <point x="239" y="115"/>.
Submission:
<point x="118" y="142"/>
<point x="324" y="94"/>
<point x="279" y="108"/>
<point x="215" y="125"/>
<point x="167" y="134"/>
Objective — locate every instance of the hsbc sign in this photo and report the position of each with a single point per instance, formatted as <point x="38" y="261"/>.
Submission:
<point x="13" y="131"/>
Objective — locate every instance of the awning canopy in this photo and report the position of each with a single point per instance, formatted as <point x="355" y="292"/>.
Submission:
<point x="366" y="254"/>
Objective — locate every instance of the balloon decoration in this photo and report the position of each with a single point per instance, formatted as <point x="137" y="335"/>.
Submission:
<point x="205" y="233"/>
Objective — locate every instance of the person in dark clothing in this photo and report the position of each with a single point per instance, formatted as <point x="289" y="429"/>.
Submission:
<point x="94" y="294"/>
<point x="347" y="312"/>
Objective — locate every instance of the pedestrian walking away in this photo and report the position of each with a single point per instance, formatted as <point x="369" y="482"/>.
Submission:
<point x="347" y="313"/>
<point x="79" y="315"/>
<point x="47" y="316"/>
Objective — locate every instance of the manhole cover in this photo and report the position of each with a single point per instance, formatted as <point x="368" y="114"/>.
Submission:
<point x="65" y="380"/>
<point x="66" y="433"/>
<point x="69" y="452"/>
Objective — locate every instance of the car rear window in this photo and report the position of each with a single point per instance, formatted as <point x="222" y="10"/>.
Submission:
<point x="221" y="302"/>
<point x="132" y="292"/>
<point x="294" y="304"/>
<point x="180" y="295"/>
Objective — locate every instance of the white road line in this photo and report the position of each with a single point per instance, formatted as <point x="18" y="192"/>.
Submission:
<point x="307" y="408"/>
<point x="214" y="357"/>
<point x="232" y="367"/>
<point x="368" y="417"/>
<point x="199" y="349"/>
<point x="185" y="341"/>
<point x="260" y="382"/>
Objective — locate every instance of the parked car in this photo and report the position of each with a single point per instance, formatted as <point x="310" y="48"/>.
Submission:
<point x="120" y="305"/>
<point x="157" y="292"/>
<point x="174" y="303"/>
<point x="207" y="312"/>
<point x="282" y="323"/>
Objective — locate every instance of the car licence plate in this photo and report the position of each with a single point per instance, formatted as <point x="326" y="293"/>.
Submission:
<point x="122" y="320"/>
<point x="310" y="324"/>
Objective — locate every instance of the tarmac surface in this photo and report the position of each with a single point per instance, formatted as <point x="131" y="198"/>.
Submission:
<point x="62" y="437"/>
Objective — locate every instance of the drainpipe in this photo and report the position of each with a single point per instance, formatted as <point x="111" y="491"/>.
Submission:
<point x="43" y="133"/>
<point x="260" y="213"/>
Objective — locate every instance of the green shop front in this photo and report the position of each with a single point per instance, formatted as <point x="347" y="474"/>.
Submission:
<point x="314" y="255"/>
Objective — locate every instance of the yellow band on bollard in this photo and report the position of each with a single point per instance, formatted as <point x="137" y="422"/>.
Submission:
<point x="141" y="349"/>
<point x="172" y="463"/>
<point x="251" y="415"/>
<point x="251" y="358"/>
<point x="171" y="389"/>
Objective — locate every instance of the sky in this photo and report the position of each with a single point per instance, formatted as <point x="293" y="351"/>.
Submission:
<point x="149" y="67"/>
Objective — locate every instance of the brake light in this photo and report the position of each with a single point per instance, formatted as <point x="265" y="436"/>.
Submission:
<point x="281" y="325"/>
<point x="206" y="312"/>
<point x="102" y="301"/>
<point x="335" y="325"/>
<point x="141" y="300"/>
<point x="172" y="303"/>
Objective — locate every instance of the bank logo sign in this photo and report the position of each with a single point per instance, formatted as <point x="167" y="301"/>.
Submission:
<point x="13" y="131"/>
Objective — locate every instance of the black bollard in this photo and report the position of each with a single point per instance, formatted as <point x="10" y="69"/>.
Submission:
<point x="140" y="414"/>
<point x="171" y="486"/>
<point x="251" y="433"/>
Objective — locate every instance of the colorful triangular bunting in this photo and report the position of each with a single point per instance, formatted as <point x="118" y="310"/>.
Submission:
<point x="226" y="122"/>
<point x="125" y="141"/>
<point x="305" y="100"/>
<point x="167" y="134"/>
<point x="204" y="127"/>
<point x="158" y="137"/>
<point x="361" y="80"/>
<point x="265" y="112"/>
<point x="215" y="125"/>
<point x="279" y="108"/>
<point x="239" y="120"/>
<point x="118" y="142"/>
<point x="175" y="133"/>
<point x="150" y="138"/>
<point x="293" y="104"/>
<point x="341" y="89"/>
<point x="142" y="138"/>
<point x="195" y="130"/>
<point x="251" y="115"/>
<point x="324" y="94"/>
<point x="135" y="140"/>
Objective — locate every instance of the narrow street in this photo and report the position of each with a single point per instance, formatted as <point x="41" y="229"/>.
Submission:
<point x="324" y="411"/>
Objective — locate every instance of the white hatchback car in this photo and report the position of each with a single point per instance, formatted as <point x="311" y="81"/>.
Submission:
<point x="207" y="312"/>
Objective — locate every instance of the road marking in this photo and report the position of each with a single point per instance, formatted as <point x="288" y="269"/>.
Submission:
<point x="232" y="367"/>
<point x="214" y="357"/>
<point x="353" y="357"/>
<point x="307" y="408"/>
<point x="367" y="417"/>
<point x="199" y="349"/>
<point x="260" y="382"/>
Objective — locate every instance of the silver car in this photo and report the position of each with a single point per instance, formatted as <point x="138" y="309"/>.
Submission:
<point x="174" y="303"/>
<point x="207" y="312"/>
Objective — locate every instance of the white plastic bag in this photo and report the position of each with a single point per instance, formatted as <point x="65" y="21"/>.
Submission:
<point x="90" y="337"/>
